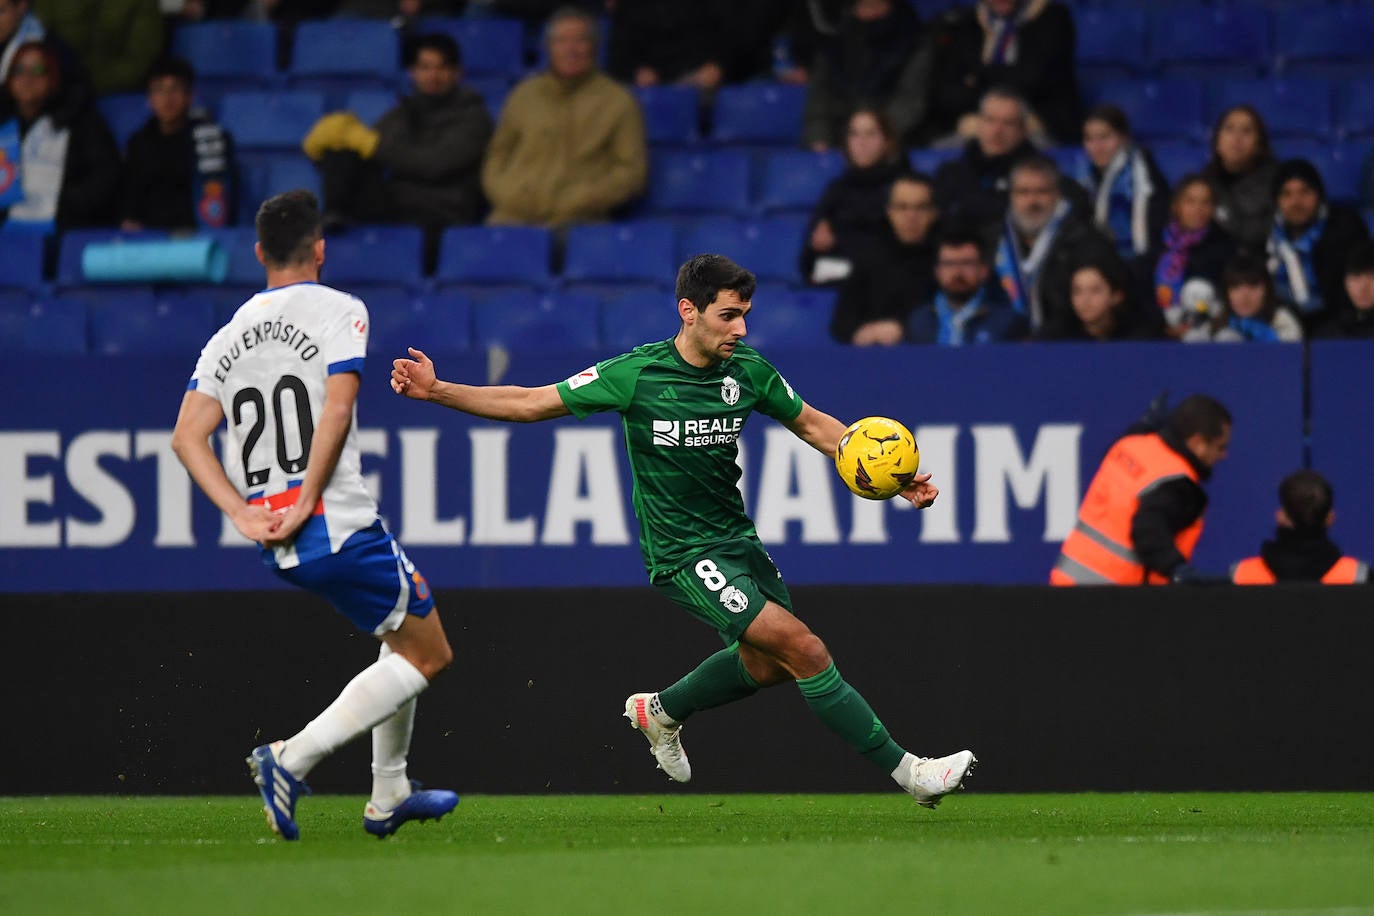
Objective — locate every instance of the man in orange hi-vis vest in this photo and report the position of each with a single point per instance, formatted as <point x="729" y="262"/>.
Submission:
<point x="1142" y="514"/>
<point x="1301" y="551"/>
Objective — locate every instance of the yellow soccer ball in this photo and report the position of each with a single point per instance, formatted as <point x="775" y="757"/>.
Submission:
<point x="877" y="458"/>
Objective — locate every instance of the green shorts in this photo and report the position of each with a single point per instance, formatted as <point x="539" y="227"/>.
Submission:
<point x="727" y="585"/>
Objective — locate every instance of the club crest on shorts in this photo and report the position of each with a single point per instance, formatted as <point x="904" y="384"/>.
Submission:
<point x="729" y="391"/>
<point x="735" y="601"/>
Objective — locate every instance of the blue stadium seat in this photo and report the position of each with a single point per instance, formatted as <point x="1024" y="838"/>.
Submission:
<point x="238" y="242"/>
<point x="783" y="317"/>
<point x="375" y="254"/>
<point x="493" y="90"/>
<point x="1070" y="159"/>
<point x="1291" y="107"/>
<point x="495" y="254"/>
<point x="21" y="259"/>
<point x="240" y="51"/>
<point x="47" y="327"/>
<point x="433" y="322"/>
<point x="533" y="321"/>
<point x="1111" y="38"/>
<point x="125" y="113"/>
<point x="643" y="251"/>
<point x="769" y="247"/>
<point x="491" y="46"/>
<point x="346" y="47"/>
<point x="1186" y="39"/>
<point x="370" y="104"/>
<point x="1356" y="107"/>
<point x="270" y="120"/>
<point x="670" y="113"/>
<point x="135" y="322"/>
<point x="640" y="317"/>
<point x="928" y="161"/>
<point x="699" y="182"/>
<point x="74" y="241"/>
<point x="224" y="300"/>
<point x="1177" y="158"/>
<point x="759" y="113"/>
<point x="288" y="172"/>
<point x="1166" y="108"/>
<point x="1343" y="32"/>
<point x="796" y="179"/>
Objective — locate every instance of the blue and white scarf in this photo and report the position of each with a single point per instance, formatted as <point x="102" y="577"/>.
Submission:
<point x="30" y="29"/>
<point x="1121" y="200"/>
<point x="954" y="321"/>
<point x="43" y="160"/>
<point x="1293" y="266"/>
<point x="1019" y="276"/>
<point x="999" y="32"/>
<point x="11" y="180"/>
<point x="1254" y="329"/>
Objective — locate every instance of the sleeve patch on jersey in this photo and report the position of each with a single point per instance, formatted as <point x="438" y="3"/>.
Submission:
<point x="347" y="365"/>
<point x="586" y="376"/>
<point x="359" y="329"/>
<point x="790" y="393"/>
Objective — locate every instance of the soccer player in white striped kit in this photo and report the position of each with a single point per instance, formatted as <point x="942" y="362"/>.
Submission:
<point x="285" y="371"/>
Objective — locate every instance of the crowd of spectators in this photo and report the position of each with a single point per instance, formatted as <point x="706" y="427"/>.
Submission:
<point x="1001" y="242"/>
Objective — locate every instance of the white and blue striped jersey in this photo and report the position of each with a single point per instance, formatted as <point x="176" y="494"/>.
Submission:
<point x="267" y="368"/>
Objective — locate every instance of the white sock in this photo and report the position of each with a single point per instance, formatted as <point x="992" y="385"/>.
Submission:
<point x="390" y="744"/>
<point x="903" y="771"/>
<point x="374" y="695"/>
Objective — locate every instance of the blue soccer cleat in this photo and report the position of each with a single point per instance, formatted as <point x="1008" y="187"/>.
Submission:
<point x="422" y="805"/>
<point x="280" y="790"/>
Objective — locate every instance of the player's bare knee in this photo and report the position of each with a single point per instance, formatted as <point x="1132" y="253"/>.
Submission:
<point x="810" y="654"/>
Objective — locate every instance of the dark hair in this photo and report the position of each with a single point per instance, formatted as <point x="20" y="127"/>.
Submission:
<point x="564" y="13"/>
<point x="1265" y="151"/>
<point x="1036" y="162"/>
<point x="1113" y="270"/>
<point x="1306" y="498"/>
<point x="1186" y="182"/>
<point x="1361" y="258"/>
<point x="1112" y="116"/>
<point x="288" y="226"/>
<point x="1250" y="270"/>
<point x="1010" y="94"/>
<point x="1199" y="414"/>
<point x="177" y="67"/>
<point x="959" y="236"/>
<point x="909" y="177"/>
<point x="435" y="41"/>
<point x="702" y="278"/>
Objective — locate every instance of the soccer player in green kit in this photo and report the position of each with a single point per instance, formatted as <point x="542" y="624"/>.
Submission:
<point x="683" y="402"/>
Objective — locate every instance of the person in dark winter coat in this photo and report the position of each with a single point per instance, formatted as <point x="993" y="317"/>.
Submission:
<point x="1028" y="45"/>
<point x="876" y="57"/>
<point x="1357" y="322"/>
<point x="1129" y="194"/>
<point x="68" y="173"/>
<point x="700" y="43"/>
<point x="421" y="163"/>
<point x="966" y="309"/>
<point x="1042" y="243"/>
<point x="894" y="274"/>
<point x="1241" y="170"/>
<point x="179" y="166"/>
<point x="1103" y="308"/>
<point x="1310" y="242"/>
<point x="1192" y="247"/>
<point x="852" y="212"/>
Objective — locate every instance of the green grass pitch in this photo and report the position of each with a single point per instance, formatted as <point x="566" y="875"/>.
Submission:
<point x="692" y="853"/>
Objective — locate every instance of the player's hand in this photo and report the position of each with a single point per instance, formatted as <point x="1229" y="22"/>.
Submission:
<point x="413" y="378"/>
<point x="920" y="492"/>
<point x="286" y="526"/>
<point x="254" y="521"/>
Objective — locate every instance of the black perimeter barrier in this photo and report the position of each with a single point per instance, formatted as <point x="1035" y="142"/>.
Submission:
<point x="1169" y="689"/>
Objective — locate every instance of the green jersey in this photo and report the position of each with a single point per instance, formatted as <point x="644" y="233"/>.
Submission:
<point x="682" y="427"/>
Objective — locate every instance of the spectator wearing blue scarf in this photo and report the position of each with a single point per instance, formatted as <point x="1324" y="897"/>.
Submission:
<point x="1192" y="246"/>
<point x="966" y="309"/>
<point x="1130" y="195"/>
<point x="1251" y="312"/>
<point x="1310" y="241"/>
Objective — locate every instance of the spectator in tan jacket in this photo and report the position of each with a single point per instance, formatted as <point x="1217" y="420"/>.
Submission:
<point x="569" y="145"/>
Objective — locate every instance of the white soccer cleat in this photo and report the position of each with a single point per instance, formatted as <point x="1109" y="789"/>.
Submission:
<point x="929" y="779"/>
<point x="646" y="714"/>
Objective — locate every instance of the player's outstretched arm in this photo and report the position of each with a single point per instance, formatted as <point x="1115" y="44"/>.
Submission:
<point x="823" y="433"/>
<point x="415" y="378"/>
<point x="197" y="421"/>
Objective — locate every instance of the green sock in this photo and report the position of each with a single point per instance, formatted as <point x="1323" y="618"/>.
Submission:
<point x="848" y="715"/>
<point x="718" y="680"/>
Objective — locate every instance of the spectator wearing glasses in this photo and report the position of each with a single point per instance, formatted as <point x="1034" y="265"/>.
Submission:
<point x="966" y="309"/>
